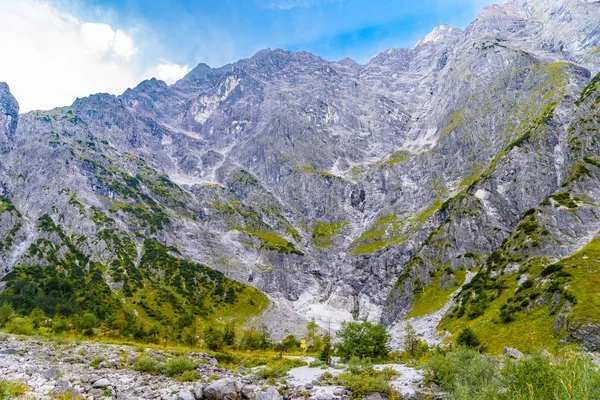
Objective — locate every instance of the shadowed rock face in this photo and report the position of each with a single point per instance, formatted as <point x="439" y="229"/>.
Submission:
<point x="337" y="188"/>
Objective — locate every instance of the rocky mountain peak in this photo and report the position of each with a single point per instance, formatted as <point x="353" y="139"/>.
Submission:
<point x="9" y="112"/>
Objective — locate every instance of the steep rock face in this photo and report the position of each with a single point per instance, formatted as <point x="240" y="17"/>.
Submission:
<point x="9" y="112"/>
<point x="341" y="190"/>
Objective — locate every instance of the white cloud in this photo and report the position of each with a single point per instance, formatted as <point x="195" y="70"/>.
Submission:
<point x="50" y="57"/>
<point x="169" y="72"/>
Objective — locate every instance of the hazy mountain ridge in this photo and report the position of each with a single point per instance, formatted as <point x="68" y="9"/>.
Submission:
<point x="338" y="189"/>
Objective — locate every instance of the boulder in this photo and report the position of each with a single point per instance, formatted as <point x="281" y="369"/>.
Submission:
<point x="223" y="389"/>
<point x="269" y="394"/>
<point x="377" y="396"/>
<point x="101" y="383"/>
<point x="249" y="392"/>
<point x="185" y="395"/>
<point x="198" y="392"/>
<point x="51" y="373"/>
<point x="513" y="353"/>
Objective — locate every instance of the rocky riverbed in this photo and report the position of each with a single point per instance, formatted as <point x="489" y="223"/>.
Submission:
<point x="91" y="370"/>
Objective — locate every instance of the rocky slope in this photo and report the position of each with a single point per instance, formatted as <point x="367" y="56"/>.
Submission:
<point x="341" y="190"/>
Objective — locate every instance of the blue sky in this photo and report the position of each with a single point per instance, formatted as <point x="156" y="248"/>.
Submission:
<point x="219" y="32"/>
<point x="64" y="49"/>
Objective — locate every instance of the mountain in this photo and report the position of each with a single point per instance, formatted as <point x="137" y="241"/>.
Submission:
<point x="468" y="165"/>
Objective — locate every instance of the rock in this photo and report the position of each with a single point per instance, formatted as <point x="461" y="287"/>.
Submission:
<point x="96" y="393"/>
<point x="249" y="392"/>
<point x="377" y="396"/>
<point x="213" y="361"/>
<point x="185" y="395"/>
<point x="242" y="369"/>
<point x="339" y="392"/>
<point x="51" y="373"/>
<point x="308" y="386"/>
<point x="512" y="353"/>
<point x="198" y="391"/>
<point x="269" y="394"/>
<point x="8" y="351"/>
<point x="224" y="389"/>
<point x="101" y="383"/>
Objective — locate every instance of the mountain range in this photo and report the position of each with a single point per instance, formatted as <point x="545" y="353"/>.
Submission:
<point x="453" y="184"/>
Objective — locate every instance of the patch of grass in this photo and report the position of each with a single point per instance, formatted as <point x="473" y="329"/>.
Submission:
<point x="434" y="297"/>
<point x="324" y="231"/>
<point x="272" y="241"/>
<point x="366" y="381"/>
<point x="278" y="368"/>
<point x="11" y="389"/>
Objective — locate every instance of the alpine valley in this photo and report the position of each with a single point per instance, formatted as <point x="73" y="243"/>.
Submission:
<point x="452" y="185"/>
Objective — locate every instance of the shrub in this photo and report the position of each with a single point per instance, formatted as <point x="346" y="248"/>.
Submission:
<point x="20" y="326"/>
<point x="189" y="376"/>
<point x="367" y="381"/>
<point x="290" y="344"/>
<point x="280" y="367"/>
<point x="6" y="313"/>
<point x="177" y="366"/>
<point x="537" y="377"/>
<point x="468" y="338"/>
<point x="213" y="338"/>
<point x="11" y="389"/>
<point x="146" y="364"/>
<point x="465" y="374"/>
<point x="364" y="340"/>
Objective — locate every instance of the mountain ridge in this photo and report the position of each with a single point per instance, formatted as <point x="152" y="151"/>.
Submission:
<point x="340" y="190"/>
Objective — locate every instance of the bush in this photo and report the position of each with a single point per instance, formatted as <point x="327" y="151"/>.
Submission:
<point x="146" y="364"/>
<point x="60" y="324"/>
<point x="536" y="377"/>
<point x="468" y="338"/>
<point x="280" y="367"/>
<point x="465" y="374"/>
<point x="367" y="381"/>
<point x="213" y="338"/>
<point x="20" y="326"/>
<point x="189" y="376"/>
<point x="177" y="366"/>
<point x="363" y="340"/>
<point x="290" y="344"/>
<point x="11" y="389"/>
<point x="6" y="313"/>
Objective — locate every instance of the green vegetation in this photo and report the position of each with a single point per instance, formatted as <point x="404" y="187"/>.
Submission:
<point x="173" y="298"/>
<point x="362" y="379"/>
<point x="363" y="340"/>
<point x="274" y="242"/>
<point x="280" y="367"/>
<point x="326" y="175"/>
<point x="324" y="231"/>
<point x="465" y="374"/>
<point x="388" y="230"/>
<point x="435" y="296"/>
<point x="11" y="389"/>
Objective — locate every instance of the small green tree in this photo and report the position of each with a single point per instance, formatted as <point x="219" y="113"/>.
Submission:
<point x="411" y="341"/>
<point x="327" y="352"/>
<point x="229" y="335"/>
<point x="468" y="338"/>
<point x="290" y="343"/>
<point x="6" y="313"/>
<point x="363" y="340"/>
<point x="311" y="330"/>
<point x="213" y="337"/>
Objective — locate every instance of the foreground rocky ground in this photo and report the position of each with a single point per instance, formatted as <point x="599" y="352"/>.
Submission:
<point x="71" y="369"/>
